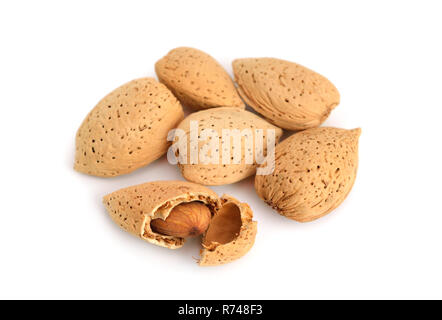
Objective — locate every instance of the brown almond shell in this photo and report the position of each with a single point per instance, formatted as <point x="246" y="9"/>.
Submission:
<point x="289" y="95"/>
<point x="127" y="129"/>
<point x="197" y="79"/>
<point x="314" y="172"/>
<point x="214" y="253"/>
<point x="218" y="119"/>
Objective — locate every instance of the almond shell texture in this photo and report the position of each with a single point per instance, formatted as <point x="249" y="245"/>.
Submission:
<point x="127" y="129"/>
<point x="197" y="79"/>
<point x="314" y="172"/>
<point x="287" y="94"/>
<point x="216" y="120"/>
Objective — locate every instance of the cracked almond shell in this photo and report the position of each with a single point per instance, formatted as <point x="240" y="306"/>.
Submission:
<point x="127" y="129"/>
<point x="314" y="172"/>
<point x="197" y="79"/>
<point x="287" y="94"/>
<point x="218" y="119"/>
<point x="231" y="232"/>
<point x="134" y="207"/>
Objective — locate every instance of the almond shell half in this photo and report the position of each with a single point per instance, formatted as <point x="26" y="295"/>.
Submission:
<point x="216" y="253"/>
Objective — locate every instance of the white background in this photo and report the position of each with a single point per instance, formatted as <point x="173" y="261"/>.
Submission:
<point x="57" y="59"/>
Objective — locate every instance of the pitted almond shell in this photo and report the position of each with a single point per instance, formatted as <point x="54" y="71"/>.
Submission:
<point x="287" y="94"/>
<point x="127" y="129"/>
<point x="197" y="79"/>
<point x="217" y="119"/>
<point x="134" y="207"/>
<point x="231" y="233"/>
<point x="314" y="172"/>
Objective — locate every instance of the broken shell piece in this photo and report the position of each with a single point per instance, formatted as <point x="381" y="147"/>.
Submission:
<point x="231" y="233"/>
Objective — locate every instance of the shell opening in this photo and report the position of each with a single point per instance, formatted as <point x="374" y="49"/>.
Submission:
<point x="224" y="227"/>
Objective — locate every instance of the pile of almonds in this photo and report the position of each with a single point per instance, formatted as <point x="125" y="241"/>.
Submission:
<point x="314" y="169"/>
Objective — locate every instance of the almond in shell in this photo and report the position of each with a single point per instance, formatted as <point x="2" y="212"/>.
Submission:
<point x="237" y="167"/>
<point x="314" y="172"/>
<point x="197" y="79"/>
<point x="289" y="95"/>
<point x="127" y="129"/>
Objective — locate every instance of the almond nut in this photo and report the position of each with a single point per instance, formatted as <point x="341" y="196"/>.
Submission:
<point x="314" y="172"/>
<point x="287" y="94"/>
<point x="127" y="129"/>
<point x="218" y="120"/>
<point x="197" y="80"/>
<point x="185" y="220"/>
